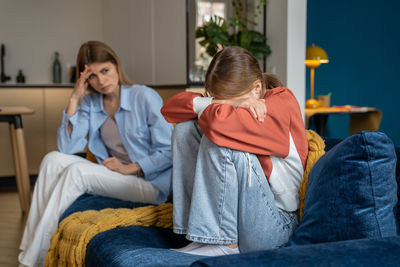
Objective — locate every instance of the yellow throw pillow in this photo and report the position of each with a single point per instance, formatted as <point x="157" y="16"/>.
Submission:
<point x="316" y="148"/>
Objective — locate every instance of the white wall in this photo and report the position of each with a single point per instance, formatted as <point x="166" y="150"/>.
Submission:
<point x="118" y="20"/>
<point x="286" y="33"/>
<point x="276" y="21"/>
<point x="148" y="35"/>
<point x="150" y="38"/>
<point x="33" y="30"/>
<point x="296" y="48"/>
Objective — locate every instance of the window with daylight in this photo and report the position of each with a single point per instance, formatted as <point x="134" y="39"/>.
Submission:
<point x="201" y="12"/>
<point x="204" y="11"/>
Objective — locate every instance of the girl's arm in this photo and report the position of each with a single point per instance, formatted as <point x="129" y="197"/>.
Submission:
<point x="256" y="106"/>
<point x="237" y="128"/>
<point x="184" y="106"/>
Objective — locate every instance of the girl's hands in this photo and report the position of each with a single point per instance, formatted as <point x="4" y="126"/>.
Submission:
<point x="114" y="164"/>
<point x="256" y="106"/>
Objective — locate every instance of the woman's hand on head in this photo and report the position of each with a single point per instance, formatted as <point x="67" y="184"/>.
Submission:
<point x="256" y="106"/>
<point x="80" y="89"/>
<point x="81" y="85"/>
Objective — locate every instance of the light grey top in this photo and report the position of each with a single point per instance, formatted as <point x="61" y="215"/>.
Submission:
<point x="110" y="135"/>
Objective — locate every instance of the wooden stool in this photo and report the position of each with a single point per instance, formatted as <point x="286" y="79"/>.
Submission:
<point x="12" y="115"/>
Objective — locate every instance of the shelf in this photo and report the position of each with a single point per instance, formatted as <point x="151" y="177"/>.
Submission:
<point x="27" y="85"/>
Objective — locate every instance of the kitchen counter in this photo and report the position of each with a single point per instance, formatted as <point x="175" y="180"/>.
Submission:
<point x="48" y="101"/>
<point x="71" y="85"/>
<point x="27" y="85"/>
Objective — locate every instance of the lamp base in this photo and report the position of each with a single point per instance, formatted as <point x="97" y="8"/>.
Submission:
<point x="312" y="103"/>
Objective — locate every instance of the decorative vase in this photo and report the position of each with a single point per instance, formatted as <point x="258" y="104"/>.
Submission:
<point x="56" y="69"/>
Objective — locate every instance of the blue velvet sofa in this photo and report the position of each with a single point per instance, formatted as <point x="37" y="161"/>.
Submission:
<point x="351" y="218"/>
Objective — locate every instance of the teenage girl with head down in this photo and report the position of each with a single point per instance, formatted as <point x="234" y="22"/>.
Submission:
<point x="122" y="126"/>
<point x="236" y="167"/>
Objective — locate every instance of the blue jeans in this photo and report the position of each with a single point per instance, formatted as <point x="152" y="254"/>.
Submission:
<point x="221" y="196"/>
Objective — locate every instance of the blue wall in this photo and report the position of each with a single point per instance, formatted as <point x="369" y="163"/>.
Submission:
<point x="362" y="39"/>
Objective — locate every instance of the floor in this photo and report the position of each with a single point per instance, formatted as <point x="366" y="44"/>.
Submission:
<point x="11" y="226"/>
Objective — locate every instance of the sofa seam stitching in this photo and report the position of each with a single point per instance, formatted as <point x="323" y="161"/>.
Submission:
<point x="371" y="183"/>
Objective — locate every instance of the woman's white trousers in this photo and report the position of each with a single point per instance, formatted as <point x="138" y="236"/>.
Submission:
<point x="62" y="179"/>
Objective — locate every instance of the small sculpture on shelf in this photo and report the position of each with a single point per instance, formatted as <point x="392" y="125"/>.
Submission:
<point x="20" y="77"/>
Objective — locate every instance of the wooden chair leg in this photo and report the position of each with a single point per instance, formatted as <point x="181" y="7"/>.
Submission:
<point x="17" y="168"/>
<point x="21" y="167"/>
<point x="23" y="164"/>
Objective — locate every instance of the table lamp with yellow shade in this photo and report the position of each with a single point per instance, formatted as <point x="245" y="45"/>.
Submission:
<point x="315" y="56"/>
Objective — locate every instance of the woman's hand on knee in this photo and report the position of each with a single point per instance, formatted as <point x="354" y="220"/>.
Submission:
<point x="114" y="164"/>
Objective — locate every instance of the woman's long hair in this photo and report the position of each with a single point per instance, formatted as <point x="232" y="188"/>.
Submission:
<point x="95" y="51"/>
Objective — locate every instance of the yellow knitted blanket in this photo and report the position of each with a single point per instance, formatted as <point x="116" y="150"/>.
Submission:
<point x="68" y="243"/>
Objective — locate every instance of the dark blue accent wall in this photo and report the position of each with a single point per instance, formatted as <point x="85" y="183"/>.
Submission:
<point x="362" y="39"/>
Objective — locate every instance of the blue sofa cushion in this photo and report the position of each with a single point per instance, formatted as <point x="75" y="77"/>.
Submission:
<point x="351" y="192"/>
<point x="331" y="142"/>
<point x="398" y="187"/>
<point x="360" y="253"/>
<point x="138" y="246"/>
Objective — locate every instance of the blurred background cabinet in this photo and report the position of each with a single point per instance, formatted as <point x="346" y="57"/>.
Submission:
<point x="40" y="129"/>
<point x="55" y="101"/>
<point x="34" y="126"/>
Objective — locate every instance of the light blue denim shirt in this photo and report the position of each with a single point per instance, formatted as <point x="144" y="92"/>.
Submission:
<point x="144" y="133"/>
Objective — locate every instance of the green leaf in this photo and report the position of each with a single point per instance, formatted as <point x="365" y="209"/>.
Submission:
<point x="245" y="39"/>
<point x="234" y="31"/>
<point x="204" y="42"/>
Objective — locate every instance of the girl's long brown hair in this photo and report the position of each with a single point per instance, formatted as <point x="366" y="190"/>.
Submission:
<point x="271" y="81"/>
<point x="232" y="72"/>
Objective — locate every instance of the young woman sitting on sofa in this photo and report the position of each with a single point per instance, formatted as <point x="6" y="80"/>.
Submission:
<point x="122" y="126"/>
<point x="236" y="167"/>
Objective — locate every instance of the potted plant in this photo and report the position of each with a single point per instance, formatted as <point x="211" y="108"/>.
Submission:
<point x="235" y="31"/>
